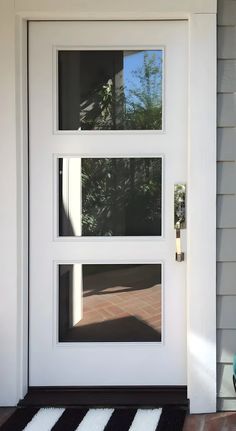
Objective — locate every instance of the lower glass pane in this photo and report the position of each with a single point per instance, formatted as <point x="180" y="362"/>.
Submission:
<point x="110" y="303"/>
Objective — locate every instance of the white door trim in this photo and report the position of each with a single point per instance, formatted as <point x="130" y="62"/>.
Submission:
<point x="201" y="276"/>
<point x="201" y="254"/>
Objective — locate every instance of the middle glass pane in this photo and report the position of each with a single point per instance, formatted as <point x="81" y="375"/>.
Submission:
<point x="110" y="196"/>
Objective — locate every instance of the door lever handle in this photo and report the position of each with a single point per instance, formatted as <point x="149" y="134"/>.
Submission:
<point x="179" y="218"/>
<point x="179" y="255"/>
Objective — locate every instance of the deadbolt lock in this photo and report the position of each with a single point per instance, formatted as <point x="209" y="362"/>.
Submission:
<point x="179" y="217"/>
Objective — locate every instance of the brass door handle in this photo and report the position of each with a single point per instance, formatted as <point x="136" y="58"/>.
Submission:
<point x="179" y="255"/>
<point x="179" y="218"/>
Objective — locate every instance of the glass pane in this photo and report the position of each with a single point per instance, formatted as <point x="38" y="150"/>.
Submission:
<point x="110" y="303"/>
<point x="110" y="90"/>
<point x="110" y="197"/>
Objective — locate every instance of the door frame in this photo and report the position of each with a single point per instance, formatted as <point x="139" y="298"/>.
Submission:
<point x="201" y="244"/>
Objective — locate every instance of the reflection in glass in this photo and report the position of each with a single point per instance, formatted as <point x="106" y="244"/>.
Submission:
<point x="110" y="90"/>
<point x="109" y="302"/>
<point x="110" y="196"/>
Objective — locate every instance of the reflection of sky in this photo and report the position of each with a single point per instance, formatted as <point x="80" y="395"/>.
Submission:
<point x="135" y="60"/>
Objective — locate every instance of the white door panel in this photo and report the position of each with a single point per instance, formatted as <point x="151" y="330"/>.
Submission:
<point x="55" y="363"/>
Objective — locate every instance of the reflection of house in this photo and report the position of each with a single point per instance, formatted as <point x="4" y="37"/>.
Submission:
<point x="120" y="303"/>
<point x="104" y="78"/>
<point x="14" y="167"/>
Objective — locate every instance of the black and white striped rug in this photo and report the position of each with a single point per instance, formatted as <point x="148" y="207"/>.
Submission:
<point x="97" y="419"/>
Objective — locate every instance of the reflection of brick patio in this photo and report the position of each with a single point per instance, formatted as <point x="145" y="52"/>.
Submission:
<point x="123" y="293"/>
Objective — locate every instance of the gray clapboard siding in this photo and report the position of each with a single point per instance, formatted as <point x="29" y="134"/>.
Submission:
<point x="227" y="42"/>
<point x="226" y="178"/>
<point x="226" y="144"/>
<point x="226" y="203"/>
<point x="226" y="210"/>
<point x="226" y="312"/>
<point x="226" y="404"/>
<point x="225" y="384"/>
<point x="226" y="12"/>
<point x="226" y="76"/>
<point x="226" y="110"/>
<point x="226" y="278"/>
<point x="226" y="250"/>
<point x="226" y="347"/>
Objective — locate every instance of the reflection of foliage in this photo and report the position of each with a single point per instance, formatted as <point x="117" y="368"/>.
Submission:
<point x="136" y="105"/>
<point x="101" y="116"/>
<point x="121" y="196"/>
<point x="143" y="101"/>
<point x="106" y="101"/>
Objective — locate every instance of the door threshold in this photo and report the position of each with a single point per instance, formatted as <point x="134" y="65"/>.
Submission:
<point x="116" y="396"/>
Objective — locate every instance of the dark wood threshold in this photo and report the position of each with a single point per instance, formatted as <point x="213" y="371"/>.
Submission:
<point x="117" y="396"/>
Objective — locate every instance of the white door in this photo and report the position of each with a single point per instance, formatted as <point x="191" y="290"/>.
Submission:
<point x="108" y="143"/>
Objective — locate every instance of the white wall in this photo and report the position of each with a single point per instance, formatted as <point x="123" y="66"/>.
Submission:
<point x="8" y="210"/>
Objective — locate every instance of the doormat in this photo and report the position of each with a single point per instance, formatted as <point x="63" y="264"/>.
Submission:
<point x="96" y="419"/>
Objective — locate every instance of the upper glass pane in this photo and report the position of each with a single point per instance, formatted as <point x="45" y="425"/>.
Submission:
<point x="110" y="90"/>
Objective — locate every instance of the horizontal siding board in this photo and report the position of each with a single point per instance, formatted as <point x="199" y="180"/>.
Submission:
<point x="226" y="211"/>
<point x="226" y="12"/>
<point x="225" y="381"/>
<point x="226" y="250"/>
<point x="226" y="76"/>
<point x="226" y="404"/>
<point x="226" y="312"/>
<point x="226" y="278"/>
<point x="226" y="345"/>
<point x="227" y="43"/>
<point x="226" y="144"/>
<point x="226" y="178"/>
<point x="226" y="110"/>
<point x="226" y="203"/>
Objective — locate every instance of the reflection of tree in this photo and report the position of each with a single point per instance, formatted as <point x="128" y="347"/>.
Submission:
<point x="134" y="105"/>
<point x="121" y="196"/>
<point x="99" y="114"/>
<point x="143" y="100"/>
